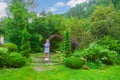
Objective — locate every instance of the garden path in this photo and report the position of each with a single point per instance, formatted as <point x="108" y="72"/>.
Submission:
<point x="39" y="64"/>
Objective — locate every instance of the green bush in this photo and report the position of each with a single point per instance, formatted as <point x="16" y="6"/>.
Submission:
<point x="3" y="50"/>
<point x="16" y="60"/>
<point x="74" y="62"/>
<point x="92" y="53"/>
<point x="109" y="57"/>
<point x="99" y="64"/>
<point x="96" y="52"/>
<point x="4" y="56"/>
<point x="78" y="53"/>
<point x="58" y="57"/>
<point x="96" y="65"/>
<point x="92" y="65"/>
<point x="11" y="47"/>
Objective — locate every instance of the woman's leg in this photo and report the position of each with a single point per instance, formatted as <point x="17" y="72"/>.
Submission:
<point x="45" y="55"/>
<point x="48" y="55"/>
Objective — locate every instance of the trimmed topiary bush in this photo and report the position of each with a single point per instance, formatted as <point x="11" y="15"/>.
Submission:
<point x="4" y="57"/>
<point x="74" y="62"/>
<point x="11" y="47"/>
<point x="16" y="60"/>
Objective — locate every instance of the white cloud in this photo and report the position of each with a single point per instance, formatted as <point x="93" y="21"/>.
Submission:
<point x="73" y="3"/>
<point x="59" y="4"/>
<point x="55" y="7"/>
<point x="52" y="9"/>
<point x="3" y="7"/>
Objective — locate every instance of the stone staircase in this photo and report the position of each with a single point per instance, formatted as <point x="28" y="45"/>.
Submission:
<point x="38" y="62"/>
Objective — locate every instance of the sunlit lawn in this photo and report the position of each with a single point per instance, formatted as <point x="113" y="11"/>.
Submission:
<point x="60" y="73"/>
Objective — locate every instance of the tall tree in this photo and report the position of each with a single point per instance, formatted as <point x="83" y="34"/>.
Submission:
<point x="16" y="21"/>
<point x="105" y="21"/>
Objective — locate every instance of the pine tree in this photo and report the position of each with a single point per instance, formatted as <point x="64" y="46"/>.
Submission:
<point x="25" y="45"/>
<point x="67" y="44"/>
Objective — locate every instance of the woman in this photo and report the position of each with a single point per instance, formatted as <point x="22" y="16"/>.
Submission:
<point x="47" y="49"/>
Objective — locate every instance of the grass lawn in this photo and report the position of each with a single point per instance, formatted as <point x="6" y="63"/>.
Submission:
<point x="60" y="73"/>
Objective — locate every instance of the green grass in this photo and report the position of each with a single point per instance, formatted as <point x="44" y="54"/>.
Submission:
<point x="25" y="73"/>
<point x="60" y="73"/>
<point x="63" y="73"/>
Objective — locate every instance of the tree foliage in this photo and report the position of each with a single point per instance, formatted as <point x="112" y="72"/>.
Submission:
<point x="15" y="22"/>
<point x="85" y="9"/>
<point x="25" y="48"/>
<point x="105" y="21"/>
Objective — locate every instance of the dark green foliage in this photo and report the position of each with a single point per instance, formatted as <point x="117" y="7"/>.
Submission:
<point x="11" y="47"/>
<point x="116" y="4"/>
<point x="55" y="26"/>
<point x="98" y="62"/>
<point x="67" y="44"/>
<point x="42" y="28"/>
<point x="92" y="65"/>
<point x="110" y="43"/>
<point x="96" y="65"/>
<point x="35" y="42"/>
<point x="16" y="60"/>
<point x="4" y="57"/>
<point x="25" y="48"/>
<point x="73" y="62"/>
<point x="37" y="29"/>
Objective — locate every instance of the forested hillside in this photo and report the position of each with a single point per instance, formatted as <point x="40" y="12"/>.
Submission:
<point x="84" y="10"/>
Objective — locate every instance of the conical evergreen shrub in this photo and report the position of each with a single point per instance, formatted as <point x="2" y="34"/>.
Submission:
<point x="67" y="44"/>
<point x="25" y="45"/>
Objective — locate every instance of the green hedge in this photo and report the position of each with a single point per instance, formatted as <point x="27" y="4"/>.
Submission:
<point x="14" y="59"/>
<point x="74" y="62"/>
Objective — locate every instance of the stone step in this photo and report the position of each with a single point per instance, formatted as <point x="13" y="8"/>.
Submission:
<point x="42" y="64"/>
<point x="39" y="69"/>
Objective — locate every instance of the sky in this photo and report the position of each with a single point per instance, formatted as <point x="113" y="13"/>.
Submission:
<point x="54" y="6"/>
